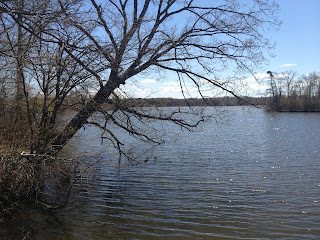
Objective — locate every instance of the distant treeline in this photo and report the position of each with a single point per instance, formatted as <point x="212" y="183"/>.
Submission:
<point x="174" y="102"/>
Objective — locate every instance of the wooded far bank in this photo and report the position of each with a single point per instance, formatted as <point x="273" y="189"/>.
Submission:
<point x="292" y="104"/>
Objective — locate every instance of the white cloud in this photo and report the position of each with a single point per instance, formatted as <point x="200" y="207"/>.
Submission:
<point x="136" y="91"/>
<point x="256" y="83"/>
<point x="145" y="91"/>
<point x="171" y="83"/>
<point x="177" y="89"/>
<point x="289" y="65"/>
<point x="148" y="80"/>
<point x="169" y="89"/>
<point x="256" y="77"/>
<point x="258" y="86"/>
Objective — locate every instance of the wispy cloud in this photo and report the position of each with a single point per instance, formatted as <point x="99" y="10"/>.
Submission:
<point x="135" y="91"/>
<point x="176" y="89"/>
<point x="148" y="80"/>
<point x="171" y="83"/>
<point x="169" y="89"/>
<point x="289" y="65"/>
<point x="256" y="77"/>
<point x="256" y="82"/>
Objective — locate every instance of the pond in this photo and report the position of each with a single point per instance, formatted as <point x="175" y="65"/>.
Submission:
<point x="249" y="175"/>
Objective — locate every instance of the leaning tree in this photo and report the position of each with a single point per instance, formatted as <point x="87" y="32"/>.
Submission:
<point x="101" y="45"/>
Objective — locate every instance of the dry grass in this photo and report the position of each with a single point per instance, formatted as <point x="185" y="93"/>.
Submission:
<point x="35" y="179"/>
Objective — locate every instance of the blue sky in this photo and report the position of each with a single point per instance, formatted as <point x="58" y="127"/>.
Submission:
<point x="298" y="40"/>
<point x="297" y="48"/>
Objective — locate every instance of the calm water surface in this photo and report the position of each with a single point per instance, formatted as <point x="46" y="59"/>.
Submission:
<point x="256" y="177"/>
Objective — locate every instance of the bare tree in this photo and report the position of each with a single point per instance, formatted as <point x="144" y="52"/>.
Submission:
<point x="311" y="88"/>
<point x="274" y="91"/>
<point x="289" y="78"/>
<point x="119" y="40"/>
<point x="13" y="44"/>
<point x="45" y="74"/>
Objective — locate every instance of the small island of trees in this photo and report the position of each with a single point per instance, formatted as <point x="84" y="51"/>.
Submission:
<point x="291" y="92"/>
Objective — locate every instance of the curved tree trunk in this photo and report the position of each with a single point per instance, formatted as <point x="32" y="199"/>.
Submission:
<point x="80" y="119"/>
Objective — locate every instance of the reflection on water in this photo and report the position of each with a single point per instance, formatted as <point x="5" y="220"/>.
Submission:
<point x="256" y="177"/>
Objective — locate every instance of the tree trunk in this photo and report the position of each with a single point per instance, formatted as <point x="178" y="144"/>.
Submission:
<point x="80" y="119"/>
<point x="19" y="67"/>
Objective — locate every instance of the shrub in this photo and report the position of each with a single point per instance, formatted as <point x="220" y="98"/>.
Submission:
<point x="37" y="179"/>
